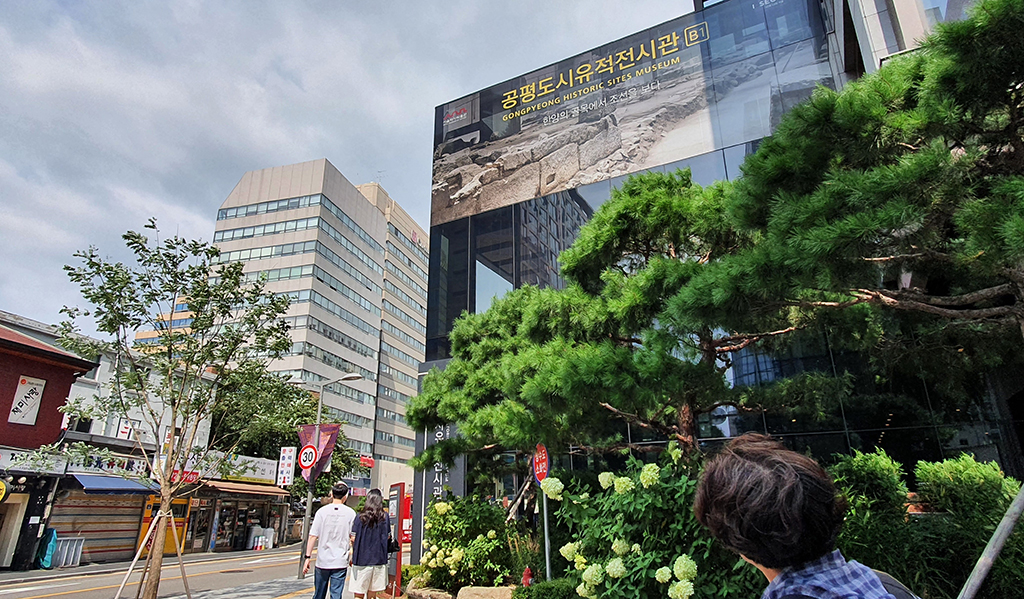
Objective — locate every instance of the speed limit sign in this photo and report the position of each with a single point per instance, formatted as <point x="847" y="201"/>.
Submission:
<point x="307" y="456"/>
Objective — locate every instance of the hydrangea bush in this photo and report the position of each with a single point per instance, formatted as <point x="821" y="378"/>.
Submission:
<point x="465" y="544"/>
<point x="637" y="537"/>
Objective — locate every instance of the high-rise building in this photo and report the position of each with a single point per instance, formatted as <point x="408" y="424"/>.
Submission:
<point x="355" y="266"/>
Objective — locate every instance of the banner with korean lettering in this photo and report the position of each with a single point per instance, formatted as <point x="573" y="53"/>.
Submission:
<point x="27" y="398"/>
<point x="325" y="445"/>
<point x="698" y="83"/>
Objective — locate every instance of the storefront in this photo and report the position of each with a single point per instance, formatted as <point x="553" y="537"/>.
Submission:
<point x="105" y="511"/>
<point x="238" y="513"/>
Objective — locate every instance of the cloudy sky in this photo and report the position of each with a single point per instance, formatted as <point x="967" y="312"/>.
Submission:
<point x="111" y="113"/>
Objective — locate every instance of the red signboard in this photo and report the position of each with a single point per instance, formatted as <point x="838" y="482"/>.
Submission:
<point x="541" y="463"/>
<point x="366" y="461"/>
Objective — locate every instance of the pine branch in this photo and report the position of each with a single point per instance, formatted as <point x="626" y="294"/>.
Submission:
<point x="741" y="341"/>
<point x="894" y="300"/>
<point x="669" y="431"/>
<point x="965" y="299"/>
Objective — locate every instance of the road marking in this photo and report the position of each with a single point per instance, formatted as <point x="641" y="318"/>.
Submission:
<point x="36" y="588"/>
<point x="135" y="583"/>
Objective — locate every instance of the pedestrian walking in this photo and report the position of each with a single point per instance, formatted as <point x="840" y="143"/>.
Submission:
<point x="371" y="533"/>
<point x="332" y="527"/>
<point x="779" y="510"/>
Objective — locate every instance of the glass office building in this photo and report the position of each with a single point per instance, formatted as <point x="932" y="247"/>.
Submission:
<point x="520" y="166"/>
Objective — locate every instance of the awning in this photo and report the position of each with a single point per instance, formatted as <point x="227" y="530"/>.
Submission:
<point x="229" y="487"/>
<point x="113" y="485"/>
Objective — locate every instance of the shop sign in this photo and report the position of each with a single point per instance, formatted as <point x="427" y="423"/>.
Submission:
<point x="286" y="467"/>
<point x="24" y="461"/>
<point x="27" y="398"/>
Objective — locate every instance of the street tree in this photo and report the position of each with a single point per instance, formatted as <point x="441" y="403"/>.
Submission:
<point x="258" y="415"/>
<point x="232" y="329"/>
<point x="570" y="367"/>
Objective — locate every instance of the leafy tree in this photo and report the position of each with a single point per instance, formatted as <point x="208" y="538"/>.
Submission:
<point x="258" y="415"/>
<point x="175" y="386"/>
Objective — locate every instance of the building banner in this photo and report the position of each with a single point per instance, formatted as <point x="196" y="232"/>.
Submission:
<point x="697" y="83"/>
<point x="325" y="445"/>
<point x="27" y="398"/>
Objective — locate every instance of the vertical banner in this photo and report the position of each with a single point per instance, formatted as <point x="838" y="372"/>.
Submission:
<point x="26" y="402"/>
<point x="286" y="467"/>
<point x="325" y="445"/>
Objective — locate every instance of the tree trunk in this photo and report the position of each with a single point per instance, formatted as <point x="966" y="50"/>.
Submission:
<point x="157" y="549"/>
<point x="687" y="423"/>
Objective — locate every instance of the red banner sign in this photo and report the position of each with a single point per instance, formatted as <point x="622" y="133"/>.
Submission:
<point x="541" y="463"/>
<point x="325" y="445"/>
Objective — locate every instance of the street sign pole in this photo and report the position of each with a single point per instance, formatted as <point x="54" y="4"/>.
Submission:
<point x="541" y="464"/>
<point x="547" y="541"/>
<point x="309" y="487"/>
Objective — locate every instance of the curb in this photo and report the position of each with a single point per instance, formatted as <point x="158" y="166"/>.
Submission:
<point x="124" y="567"/>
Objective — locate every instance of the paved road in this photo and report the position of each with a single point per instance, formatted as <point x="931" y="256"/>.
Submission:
<point x="251" y="576"/>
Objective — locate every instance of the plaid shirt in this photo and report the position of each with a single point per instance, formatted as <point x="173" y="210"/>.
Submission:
<point x="828" y="577"/>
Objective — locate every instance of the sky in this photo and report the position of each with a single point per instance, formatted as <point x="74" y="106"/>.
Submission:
<point x="115" y="112"/>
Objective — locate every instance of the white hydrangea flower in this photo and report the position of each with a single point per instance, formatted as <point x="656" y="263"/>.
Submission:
<point x="635" y="548"/>
<point x="624" y="484"/>
<point x="681" y="589"/>
<point x="580" y="562"/>
<point x="584" y="591"/>
<point x="552" y="487"/>
<point x="491" y="534"/>
<point x="663" y="575"/>
<point x="620" y="546"/>
<point x="593" y="575"/>
<point x="616" y="568"/>
<point x="649" y="475"/>
<point x="569" y="550"/>
<point x="442" y="508"/>
<point x="684" y="567"/>
<point x="606" y="479"/>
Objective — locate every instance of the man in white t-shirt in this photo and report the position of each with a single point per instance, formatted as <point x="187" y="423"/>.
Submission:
<point x="332" y="527"/>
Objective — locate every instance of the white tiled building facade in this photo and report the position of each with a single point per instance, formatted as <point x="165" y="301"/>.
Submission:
<point x="355" y="264"/>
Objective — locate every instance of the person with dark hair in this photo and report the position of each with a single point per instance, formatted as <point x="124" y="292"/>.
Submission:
<point x="780" y="511"/>
<point x="370" y="547"/>
<point x="332" y="526"/>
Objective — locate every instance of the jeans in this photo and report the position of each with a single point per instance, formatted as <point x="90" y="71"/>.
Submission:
<point x="334" y="577"/>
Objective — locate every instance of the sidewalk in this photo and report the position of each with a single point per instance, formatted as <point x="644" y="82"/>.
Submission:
<point x="10" y="577"/>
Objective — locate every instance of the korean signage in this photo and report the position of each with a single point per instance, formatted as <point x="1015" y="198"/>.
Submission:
<point x="27" y="399"/>
<point x="286" y="467"/>
<point x="541" y="463"/>
<point x="689" y="86"/>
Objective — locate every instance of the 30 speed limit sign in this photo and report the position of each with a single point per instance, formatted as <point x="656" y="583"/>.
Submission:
<point x="307" y="456"/>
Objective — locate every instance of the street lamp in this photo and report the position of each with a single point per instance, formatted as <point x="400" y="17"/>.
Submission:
<point x="347" y="377"/>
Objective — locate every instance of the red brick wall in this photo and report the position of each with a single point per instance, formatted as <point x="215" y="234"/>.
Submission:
<point x="58" y="383"/>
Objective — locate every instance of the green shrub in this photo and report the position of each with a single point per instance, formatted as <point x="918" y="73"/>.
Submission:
<point x="637" y="536"/>
<point x="931" y="553"/>
<point x="875" y="531"/>
<point x="559" y="588"/>
<point x="466" y="543"/>
<point x="875" y="477"/>
<point x="965" y="486"/>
